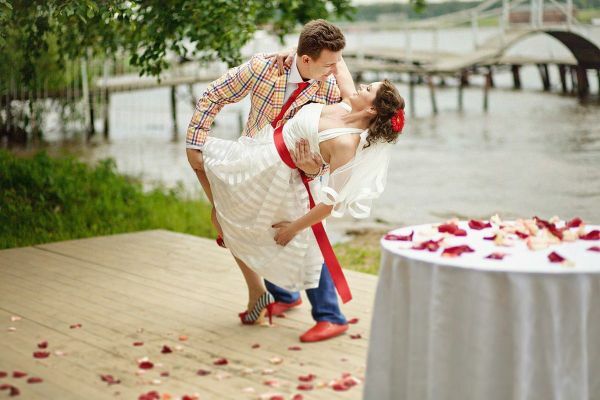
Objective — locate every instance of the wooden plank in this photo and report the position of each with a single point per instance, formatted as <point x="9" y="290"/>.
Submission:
<point x="152" y="287"/>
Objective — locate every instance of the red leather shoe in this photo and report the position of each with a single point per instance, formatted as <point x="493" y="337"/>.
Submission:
<point x="280" y="307"/>
<point x="220" y="241"/>
<point x="323" y="330"/>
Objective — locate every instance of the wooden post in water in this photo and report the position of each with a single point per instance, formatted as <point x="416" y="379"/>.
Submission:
<point x="88" y="100"/>
<point x="543" y="68"/>
<point x="516" y="73"/>
<point x="562" y="71"/>
<point x="491" y="74"/>
<point x="411" y="93"/>
<point x="573" y="79"/>
<point x="486" y="89"/>
<point x="583" y="86"/>
<point x="432" y="93"/>
<point x="174" y="111"/>
<point x="461" y="86"/>
<point x="105" y="99"/>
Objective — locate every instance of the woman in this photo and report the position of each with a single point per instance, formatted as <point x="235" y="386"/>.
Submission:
<point x="262" y="204"/>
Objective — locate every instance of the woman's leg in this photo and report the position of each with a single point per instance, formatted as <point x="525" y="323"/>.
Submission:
<point x="256" y="286"/>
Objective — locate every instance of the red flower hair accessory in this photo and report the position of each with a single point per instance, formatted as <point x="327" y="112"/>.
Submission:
<point x="398" y="120"/>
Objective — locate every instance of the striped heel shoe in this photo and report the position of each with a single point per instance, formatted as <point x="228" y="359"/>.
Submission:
<point x="263" y="305"/>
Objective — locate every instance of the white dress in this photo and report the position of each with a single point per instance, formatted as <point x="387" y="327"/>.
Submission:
<point x="253" y="189"/>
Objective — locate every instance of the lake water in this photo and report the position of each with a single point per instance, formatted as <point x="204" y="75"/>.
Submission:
<point x="533" y="153"/>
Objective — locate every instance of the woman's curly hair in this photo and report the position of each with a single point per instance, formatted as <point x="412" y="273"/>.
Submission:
<point x="387" y="103"/>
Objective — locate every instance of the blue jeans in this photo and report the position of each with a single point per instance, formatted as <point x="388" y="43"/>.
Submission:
<point x="323" y="299"/>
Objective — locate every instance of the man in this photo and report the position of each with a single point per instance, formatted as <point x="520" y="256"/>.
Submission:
<point x="275" y="99"/>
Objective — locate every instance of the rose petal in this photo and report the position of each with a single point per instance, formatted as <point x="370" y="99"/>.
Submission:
<point x="574" y="223"/>
<point x="555" y="231"/>
<point x="189" y="397"/>
<point x="430" y="245"/>
<point x="294" y="348"/>
<point x="220" y="361"/>
<point x="15" y="318"/>
<point x="255" y="346"/>
<point x="166" y="350"/>
<point x="271" y="383"/>
<point x="448" y="228"/>
<point x="298" y="397"/>
<point x="276" y="360"/>
<point x="19" y="374"/>
<point x="496" y="256"/>
<point x="109" y="379"/>
<point x="41" y="354"/>
<point x="406" y="238"/>
<point x="456" y="251"/>
<point x="521" y="234"/>
<point x="542" y="223"/>
<point x="146" y="365"/>
<point x="307" y="378"/>
<point x="3" y="374"/>
<point x="165" y="374"/>
<point x="555" y="257"/>
<point x="75" y="326"/>
<point x="12" y="329"/>
<point x="305" y="386"/>
<point x="340" y="387"/>
<point x="594" y="248"/>
<point x="202" y="372"/>
<point x="42" y="345"/>
<point x="357" y="336"/>
<point x="183" y="338"/>
<point x="353" y="321"/>
<point x="490" y="237"/>
<point x="137" y="344"/>
<point x="14" y="391"/>
<point x="35" y="379"/>
<point x="268" y="371"/>
<point x="592" y="235"/>
<point x="5" y="386"/>
<point x="59" y="353"/>
<point x="479" y="225"/>
<point x="153" y="395"/>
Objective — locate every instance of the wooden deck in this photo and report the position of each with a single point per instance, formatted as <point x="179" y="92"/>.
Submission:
<point x="154" y="287"/>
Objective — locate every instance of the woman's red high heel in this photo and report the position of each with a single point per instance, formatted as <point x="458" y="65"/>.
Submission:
<point x="264" y="303"/>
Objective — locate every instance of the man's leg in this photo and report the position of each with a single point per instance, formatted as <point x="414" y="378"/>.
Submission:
<point x="280" y="294"/>
<point x="325" y="311"/>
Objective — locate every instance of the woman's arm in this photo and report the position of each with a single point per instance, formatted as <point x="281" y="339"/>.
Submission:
<point x="342" y="153"/>
<point x="344" y="80"/>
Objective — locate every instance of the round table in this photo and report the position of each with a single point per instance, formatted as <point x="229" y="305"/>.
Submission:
<point x="469" y="327"/>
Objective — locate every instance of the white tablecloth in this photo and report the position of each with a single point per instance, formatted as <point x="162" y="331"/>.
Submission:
<point x="471" y="328"/>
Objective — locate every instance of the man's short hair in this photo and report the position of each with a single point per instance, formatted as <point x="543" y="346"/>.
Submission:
<point x="318" y="35"/>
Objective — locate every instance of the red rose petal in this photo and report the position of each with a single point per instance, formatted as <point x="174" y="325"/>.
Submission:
<point x="456" y="251"/>
<point x="406" y="238"/>
<point x="541" y="223"/>
<point x="109" y="379"/>
<point x="255" y="346"/>
<point x="340" y="387"/>
<point x="592" y="235"/>
<point x="353" y="321"/>
<point x="221" y="361"/>
<point x="277" y="397"/>
<point x="307" y="378"/>
<point x="479" y="225"/>
<point x="460" y="232"/>
<point x="574" y="223"/>
<point x="137" y="344"/>
<point x="556" y="232"/>
<point x="153" y="395"/>
<point x="146" y="365"/>
<point x="521" y="235"/>
<point x="357" y="336"/>
<point x="165" y="373"/>
<point x="447" y="228"/>
<point x="3" y="374"/>
<point x="166" y="350"/>
<point x="430" y="245"/>
<point x="19" y="374"/>
<point x="298" y="397"/>
<point x="294" y="348"/>
<point x="5" y="386"/>
<point x="496" y="256"/>
<point x="555" y="257"/>
<point x="305" y="386"/>
<point x="35" y="379"/>
<point x="14" y="391"/>
<point x="594" y="248"/>
<point x="74" y="326"/>
<point x="41" y="354"/>
<point x="42" y="345"/>
<point x="188" y="397"/>
<point x="490" y="237"/>
<point x="202" y="372"/>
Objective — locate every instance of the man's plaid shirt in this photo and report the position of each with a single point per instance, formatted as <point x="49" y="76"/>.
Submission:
<point x="260" y="79"/>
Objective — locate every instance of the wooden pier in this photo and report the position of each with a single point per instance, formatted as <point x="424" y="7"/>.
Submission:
<point x="159" y="288"/>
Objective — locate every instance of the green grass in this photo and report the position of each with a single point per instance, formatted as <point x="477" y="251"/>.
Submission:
<point x="362" y="253"/>
<point x="587" y="14"/>
<point x="44" y="199"/>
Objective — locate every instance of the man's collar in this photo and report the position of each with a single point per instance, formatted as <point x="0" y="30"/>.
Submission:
<point x="295" y="76"/>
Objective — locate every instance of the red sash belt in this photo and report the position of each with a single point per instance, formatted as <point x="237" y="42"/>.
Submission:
<point x="334" y="267"/>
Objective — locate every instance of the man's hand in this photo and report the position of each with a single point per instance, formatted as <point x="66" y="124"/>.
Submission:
<point x="284" y="233"/>
<point x="195" y="159"/>
<point x="306" y="161"/>
<point x="283" y="59"/>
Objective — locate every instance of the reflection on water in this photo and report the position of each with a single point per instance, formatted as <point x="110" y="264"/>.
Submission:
<point x="531" y="154"/>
